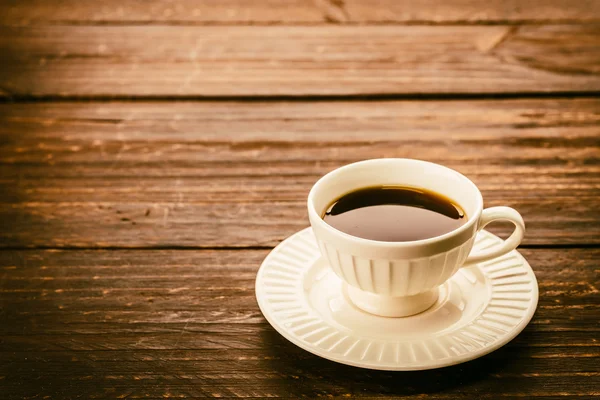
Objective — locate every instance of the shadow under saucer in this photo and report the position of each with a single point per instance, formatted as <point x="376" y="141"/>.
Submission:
<point x="307" y="375"/>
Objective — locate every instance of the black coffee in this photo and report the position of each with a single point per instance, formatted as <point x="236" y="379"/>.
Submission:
<point x="394" y="214"/>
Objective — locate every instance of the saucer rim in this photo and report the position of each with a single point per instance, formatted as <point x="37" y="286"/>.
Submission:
<point x="455" y="360"/>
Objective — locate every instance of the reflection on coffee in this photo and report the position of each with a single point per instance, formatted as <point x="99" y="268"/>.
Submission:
<point x="394" y="214"/>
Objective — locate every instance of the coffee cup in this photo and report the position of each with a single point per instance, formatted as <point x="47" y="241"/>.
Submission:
<point x="397" y="279"/>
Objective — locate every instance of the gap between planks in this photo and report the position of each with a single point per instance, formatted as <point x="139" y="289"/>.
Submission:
<point x="230" y="248"/>
<point x="7" y="98"/>
<point x="391" y="23"/>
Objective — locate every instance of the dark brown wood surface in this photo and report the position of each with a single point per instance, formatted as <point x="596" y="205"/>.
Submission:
<point x="153" y="152"/>
<point x="149" y="174"/>
<point x="150" y="61"/>
<point x="141" y="324"/>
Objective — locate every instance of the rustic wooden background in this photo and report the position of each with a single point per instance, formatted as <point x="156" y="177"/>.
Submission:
<point x="153" y="152"/>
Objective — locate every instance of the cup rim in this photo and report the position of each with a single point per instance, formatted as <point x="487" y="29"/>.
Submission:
<point x="315" y="217"/>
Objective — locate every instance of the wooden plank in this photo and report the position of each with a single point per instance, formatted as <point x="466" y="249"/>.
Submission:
<point x="238" y="224"/>
<point x="277" y="60"/>
<point x="166" y="323"/>
<point x="237" y="174"/>
<point x="471" y="11"/>
<point x="159" y="296"/>
<point x="37" y="12"/>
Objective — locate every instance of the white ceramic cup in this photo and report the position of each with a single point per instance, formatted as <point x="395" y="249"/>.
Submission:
<point x="396" y="279"/>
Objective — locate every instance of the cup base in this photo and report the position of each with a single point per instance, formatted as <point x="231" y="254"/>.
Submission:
<point x="388" y="306"/>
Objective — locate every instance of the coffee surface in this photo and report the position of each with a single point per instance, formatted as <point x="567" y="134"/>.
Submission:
<point x="394" y="214"/>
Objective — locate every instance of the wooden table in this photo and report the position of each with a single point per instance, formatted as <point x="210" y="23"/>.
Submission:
<point x="152" y="153"/>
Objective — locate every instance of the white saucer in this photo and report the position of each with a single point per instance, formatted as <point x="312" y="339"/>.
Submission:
<point x="480" y="309"/>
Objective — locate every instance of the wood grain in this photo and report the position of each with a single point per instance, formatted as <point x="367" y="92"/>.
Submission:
<point x="471" y="11"/>
<point x="237" y="174"/>
<point x="186" y="323"/>
<point x="147" y="61"/>
<point x="296" y="11"/>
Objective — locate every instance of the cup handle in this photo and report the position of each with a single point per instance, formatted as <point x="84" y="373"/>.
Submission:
<point x="499" y="214"/>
